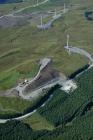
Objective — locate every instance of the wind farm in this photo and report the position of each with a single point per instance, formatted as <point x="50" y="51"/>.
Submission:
<point x="46" y="70"/>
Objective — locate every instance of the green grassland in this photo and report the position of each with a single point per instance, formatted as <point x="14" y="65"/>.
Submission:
<point x="12" y="76"/>
<point x="22" y="47"/>
<point x="8" y="8"/>
<point x="37" y="122"/>
<point x="14" y="105"/>
<point x="35" y="44"/>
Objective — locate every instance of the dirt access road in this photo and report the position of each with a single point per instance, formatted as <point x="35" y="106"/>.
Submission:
<point x="14" y="19"/>
<point x="20" y="10"/>
<point x="71" y="49"/>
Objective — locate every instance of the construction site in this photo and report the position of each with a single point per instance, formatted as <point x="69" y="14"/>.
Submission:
<point x="46" y="49"/>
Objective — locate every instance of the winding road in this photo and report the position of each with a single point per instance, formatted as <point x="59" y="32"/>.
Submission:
<point x="54" y="18"/>
<point x="20" y="10"/>
<point x="43" y="63"/>
<point x="53" y="83"/>
<point x="18" y="118"/>
<point x="32" y="6"/>
<point x="71" y="49"/>
<point x="80" y="51"/>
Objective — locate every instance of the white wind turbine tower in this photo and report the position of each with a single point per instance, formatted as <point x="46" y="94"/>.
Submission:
<point x="64" y="8"/>
<point x="67" y="41"/>
<point x="41" y="25"/>
<point x="67" y="46"/>
<point x="55" y="13"/>
<point x="41" y="21"/>
<point x="37" y="2"/>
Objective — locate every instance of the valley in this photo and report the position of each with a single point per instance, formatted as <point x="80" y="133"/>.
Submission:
<point x="46" y="70"/>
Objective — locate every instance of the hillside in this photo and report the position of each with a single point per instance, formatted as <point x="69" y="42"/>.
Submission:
<point x="72" y="116"/>
<point x="54" y="114"/>
<point x="9" y="1"/>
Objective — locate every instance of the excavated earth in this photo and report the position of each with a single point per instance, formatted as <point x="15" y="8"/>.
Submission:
<point x="46" y="76"/>
<point x="21" y="19"/>
<point x="10" y="21"/>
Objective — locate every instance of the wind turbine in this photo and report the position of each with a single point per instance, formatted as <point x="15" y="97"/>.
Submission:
<point x="67" y="41"/>
<point x="67" y="46"/>
<point x="55" y="13"/>
<point x="41" y="21"/>
<point x="37" y="2"/>
<point x="41" y="25"/>
<point x="64" y="8"/>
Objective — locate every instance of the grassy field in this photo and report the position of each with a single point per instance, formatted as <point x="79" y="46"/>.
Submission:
<point x="12" y="76"/>
<point x="37" y="122"/>
<point x="22" y="47"/>
<point x="13" y="105"/>
<point x="8" y="8"/>
<point x="32" y="48"/>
